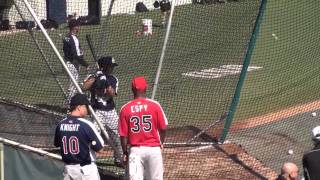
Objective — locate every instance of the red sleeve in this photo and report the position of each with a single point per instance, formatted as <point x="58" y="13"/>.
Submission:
<point x="123" y="124"/>
<point x="162" y="119"/>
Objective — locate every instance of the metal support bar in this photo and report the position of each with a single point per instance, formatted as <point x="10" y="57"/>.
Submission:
<point x="68" y="72"/>
<point x="32" y="149"/>
<point x="164" y="47"/>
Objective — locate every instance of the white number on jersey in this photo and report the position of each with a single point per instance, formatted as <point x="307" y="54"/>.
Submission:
<point x="71" y="145"/>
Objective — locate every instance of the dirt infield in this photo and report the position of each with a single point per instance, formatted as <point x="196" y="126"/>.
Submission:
<point x="227" y="161"/>
<point x="275" y="116"/>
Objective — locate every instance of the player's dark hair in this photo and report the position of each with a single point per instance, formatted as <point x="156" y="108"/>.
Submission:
<point x="72" y="108"/>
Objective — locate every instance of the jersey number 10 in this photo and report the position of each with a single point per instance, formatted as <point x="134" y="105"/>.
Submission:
<point x="143" y="123"/>
<point x="71" y="145"/>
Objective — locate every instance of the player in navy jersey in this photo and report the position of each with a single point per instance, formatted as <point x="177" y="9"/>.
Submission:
<point x="73" y="55"/>
<point x="103" y="86"/>
<point x="78" y="140"/>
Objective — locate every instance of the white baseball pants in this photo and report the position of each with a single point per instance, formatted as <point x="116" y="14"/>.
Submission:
<point x="76" y="172"/>
<point x="145" y="163"/>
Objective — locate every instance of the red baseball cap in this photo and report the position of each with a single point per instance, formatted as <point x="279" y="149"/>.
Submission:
<point x="139" y="83"/>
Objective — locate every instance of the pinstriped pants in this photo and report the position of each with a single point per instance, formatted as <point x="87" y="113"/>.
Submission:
<point x="72" y="90"/>
<point x="110" y="119"/>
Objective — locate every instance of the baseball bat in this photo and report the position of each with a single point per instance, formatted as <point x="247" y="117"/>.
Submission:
<point x="94" y="55"/>
<point x="222" y="117"/>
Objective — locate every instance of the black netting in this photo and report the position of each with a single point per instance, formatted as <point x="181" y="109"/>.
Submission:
<point x="202" y="62"/>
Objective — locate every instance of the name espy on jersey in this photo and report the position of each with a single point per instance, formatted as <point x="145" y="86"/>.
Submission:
<point x="139" y="108"/>
<point x="69" y="127"/>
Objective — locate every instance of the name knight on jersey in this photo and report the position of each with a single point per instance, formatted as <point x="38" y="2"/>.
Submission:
<point x="69" y="127"/>
<point x="139" y="108"/>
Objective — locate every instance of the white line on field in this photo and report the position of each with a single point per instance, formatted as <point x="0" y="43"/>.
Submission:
<point x="218" y="72"/>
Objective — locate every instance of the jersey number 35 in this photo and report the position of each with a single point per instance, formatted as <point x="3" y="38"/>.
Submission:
<point x="141" y="123"/>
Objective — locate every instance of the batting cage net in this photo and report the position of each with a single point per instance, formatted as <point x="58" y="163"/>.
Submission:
<point x="237" y="79"/>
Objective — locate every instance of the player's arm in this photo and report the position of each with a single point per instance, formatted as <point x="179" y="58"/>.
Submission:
<point x="162" y="134"/>
<point x="67" y="48"/>
<point x="56" y="137"/>
<point x="88" y="82"/>
<point x="305" y="168"/>
<point x="162" y="123"/>
<point x="82" y="61"/>
<point x="123" y="132"/>
<point x="124" y="145"/>
<point x="94" y="137"/>
<point x="110" y="91"/>
<point x="112" y="87"/>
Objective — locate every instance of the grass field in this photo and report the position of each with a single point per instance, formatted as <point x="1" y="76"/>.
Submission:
<point x="202" y="37"/>
<point x="290" y="63"/>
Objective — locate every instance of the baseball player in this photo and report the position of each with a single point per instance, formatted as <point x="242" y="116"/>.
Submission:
<point x="165" y="7"/>
<point x="142" y="128"/>
<point x="103" y="86"/>
<point x="73" y="55"/>
<point x="311" y="159"/>
<point x="78" y="139"/>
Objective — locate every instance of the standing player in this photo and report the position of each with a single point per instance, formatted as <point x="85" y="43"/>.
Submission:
<point x="73" y="54"/>
<point x="142" y="126"/>
<point x="78" y="139"/>
<point x="103" y="86"/>
<point x="311" y="159"/>
<point x="165" y="7"/>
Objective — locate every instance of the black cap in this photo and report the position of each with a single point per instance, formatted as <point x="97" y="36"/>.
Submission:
<point x="107" y="61"/>
<point x="79" y="99"/>
<point x="73" y="23"/>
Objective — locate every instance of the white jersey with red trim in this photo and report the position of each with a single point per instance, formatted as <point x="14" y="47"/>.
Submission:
<point x="140" y="121"/>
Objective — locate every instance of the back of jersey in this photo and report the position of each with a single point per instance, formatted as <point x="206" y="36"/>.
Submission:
<point x="74" y="136"/>
<point x="140" y="121"/>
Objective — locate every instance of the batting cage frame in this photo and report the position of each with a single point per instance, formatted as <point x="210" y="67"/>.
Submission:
<point x="221" y="70"/>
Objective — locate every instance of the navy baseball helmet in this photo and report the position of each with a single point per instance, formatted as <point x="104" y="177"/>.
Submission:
<point x="79" y="99"/>
<point x="107" y="61"/>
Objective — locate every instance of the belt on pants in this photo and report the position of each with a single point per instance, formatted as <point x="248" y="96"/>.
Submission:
<point x="81" y="164"/>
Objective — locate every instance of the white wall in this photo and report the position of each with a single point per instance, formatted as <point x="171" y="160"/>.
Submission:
<point x="39" y="7"/>
<point x="80" y="7"/>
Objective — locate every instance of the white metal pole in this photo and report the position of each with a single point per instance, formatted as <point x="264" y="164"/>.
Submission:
<point x="164" y="47"/>
<point x="66" y="68"/>
<point x="1" y="162"/>
<point x="32" y="149"/>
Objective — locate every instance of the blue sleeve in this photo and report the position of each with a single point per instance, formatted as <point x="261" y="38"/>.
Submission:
<point x="94" y="136"/>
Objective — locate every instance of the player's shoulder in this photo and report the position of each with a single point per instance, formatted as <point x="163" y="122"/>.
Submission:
<point x="67" y="38"/>
<point x="85" y="122"/>
<point x="113" y="77"/>
<point x="152" y="101"/>
<point x="125" y="106"/>
<point x="312" y="152"/>
<point x="65" y="119"/>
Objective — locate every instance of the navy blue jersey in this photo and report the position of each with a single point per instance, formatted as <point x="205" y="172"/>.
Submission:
<point x="70" y="52"/>
<point x="77" y="137"/>
<point x="99" y="99"/>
